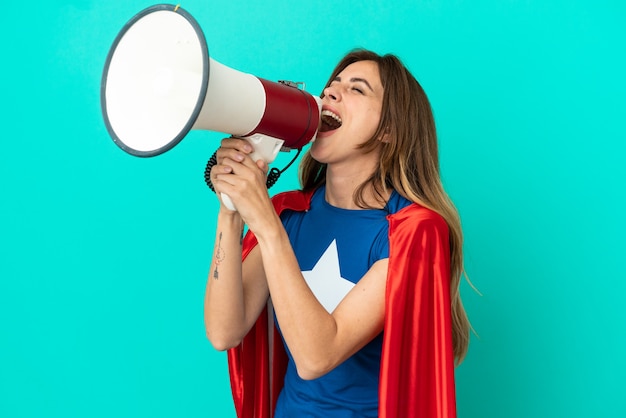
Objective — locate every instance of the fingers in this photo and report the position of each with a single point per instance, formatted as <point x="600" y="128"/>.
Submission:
<point x="235" y="168"/>
<point x="234" y="149"/>
<point x="231" y="151"/>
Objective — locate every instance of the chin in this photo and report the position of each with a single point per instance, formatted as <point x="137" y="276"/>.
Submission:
<point x="316" y="152"/>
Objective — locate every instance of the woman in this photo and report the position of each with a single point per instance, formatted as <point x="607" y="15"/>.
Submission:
<point x="362" y="266"/>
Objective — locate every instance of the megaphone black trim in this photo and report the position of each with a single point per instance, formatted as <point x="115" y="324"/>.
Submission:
<point x="202" y="92"/>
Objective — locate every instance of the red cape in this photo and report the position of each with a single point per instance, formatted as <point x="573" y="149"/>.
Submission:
<point x="417" y="363"/>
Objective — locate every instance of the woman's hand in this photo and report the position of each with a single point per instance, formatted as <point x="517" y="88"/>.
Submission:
<point x="243" y="180"/>
<point x="229" y="156"/>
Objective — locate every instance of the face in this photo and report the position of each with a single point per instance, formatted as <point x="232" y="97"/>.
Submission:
<point x="351" y="109"/>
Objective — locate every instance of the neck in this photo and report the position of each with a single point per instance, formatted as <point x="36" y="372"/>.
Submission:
<point x="341" y="186"/>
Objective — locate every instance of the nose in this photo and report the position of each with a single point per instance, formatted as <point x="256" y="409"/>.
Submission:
<point x="332" y="93"/>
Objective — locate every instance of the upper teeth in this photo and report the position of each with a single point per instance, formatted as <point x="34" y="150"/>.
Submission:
<point x="331" y="114"/>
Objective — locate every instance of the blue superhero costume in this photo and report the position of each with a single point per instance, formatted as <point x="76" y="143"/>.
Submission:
<point x="416" y="372"/>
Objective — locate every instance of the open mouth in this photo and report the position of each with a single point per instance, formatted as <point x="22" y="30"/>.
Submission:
<point x="329" y="121"/>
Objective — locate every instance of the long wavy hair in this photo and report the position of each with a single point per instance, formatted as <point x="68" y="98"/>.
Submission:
<point x="409" y="163"/>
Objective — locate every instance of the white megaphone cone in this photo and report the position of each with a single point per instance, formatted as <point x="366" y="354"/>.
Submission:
<point x="159" y="83"/>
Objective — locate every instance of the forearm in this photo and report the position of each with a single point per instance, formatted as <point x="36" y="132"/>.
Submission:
<point x="307" y="327"/>
<point x="224" y="305"/>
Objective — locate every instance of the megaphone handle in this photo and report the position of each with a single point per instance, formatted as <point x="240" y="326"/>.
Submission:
<point x="265" y="148"/>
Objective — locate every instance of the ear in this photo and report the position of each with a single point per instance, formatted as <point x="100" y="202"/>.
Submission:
<point x="385" y="137"/>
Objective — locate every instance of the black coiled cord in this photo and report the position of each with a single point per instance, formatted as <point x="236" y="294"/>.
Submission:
<point x="272" y="176"/>
<point x="207" y="171"/>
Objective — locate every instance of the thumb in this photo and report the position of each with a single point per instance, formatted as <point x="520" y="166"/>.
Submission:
<point x="262" y="165"/>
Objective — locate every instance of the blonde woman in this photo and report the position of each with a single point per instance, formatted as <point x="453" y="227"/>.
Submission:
<point x="360" y="268"/>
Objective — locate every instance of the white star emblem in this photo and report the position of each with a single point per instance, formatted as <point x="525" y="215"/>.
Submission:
<point x="325" y="279"/>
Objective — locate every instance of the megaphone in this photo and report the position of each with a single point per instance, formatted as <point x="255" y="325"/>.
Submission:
<point x="159" y="83"/>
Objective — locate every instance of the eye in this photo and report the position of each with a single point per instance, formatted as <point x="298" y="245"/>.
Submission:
<point x="358" y="90"/>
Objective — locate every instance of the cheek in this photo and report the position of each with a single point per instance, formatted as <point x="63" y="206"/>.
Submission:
<point x="371" y="120"/>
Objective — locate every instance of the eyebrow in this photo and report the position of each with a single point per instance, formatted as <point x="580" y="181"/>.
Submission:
<point x="357" y="80"/>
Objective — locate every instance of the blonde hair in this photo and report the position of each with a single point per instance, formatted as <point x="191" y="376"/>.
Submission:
<point x="409" y="163"/>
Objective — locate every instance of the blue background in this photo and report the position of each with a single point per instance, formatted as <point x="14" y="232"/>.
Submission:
<point x="104" y="256"/>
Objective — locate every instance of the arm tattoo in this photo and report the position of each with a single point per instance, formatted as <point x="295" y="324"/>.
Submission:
<point x="219" y="257"/>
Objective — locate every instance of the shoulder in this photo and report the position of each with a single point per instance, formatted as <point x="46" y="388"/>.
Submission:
<point x="297" y="200"/>
<point x="402" y="209"/>
<point x="417" y="219"/>
<point x="416" y="212"/>
<point x="419" y="233"/>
